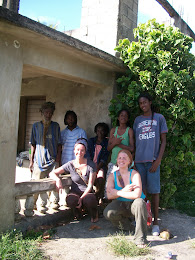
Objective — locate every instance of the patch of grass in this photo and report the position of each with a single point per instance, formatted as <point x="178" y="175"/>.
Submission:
<point x="39" y="234"/>
<point x="122" y="247"/>
<point x="14" y="246"/>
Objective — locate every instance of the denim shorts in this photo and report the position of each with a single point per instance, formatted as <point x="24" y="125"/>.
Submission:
<point x="150" y="180"/>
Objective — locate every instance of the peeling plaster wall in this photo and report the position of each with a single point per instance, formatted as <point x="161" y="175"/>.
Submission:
<point x="89" y="103"/>
<point x="10" y="64"/>
<point x="39" y="61"/>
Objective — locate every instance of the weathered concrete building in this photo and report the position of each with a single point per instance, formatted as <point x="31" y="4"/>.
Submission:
<point x="39" y="63"/>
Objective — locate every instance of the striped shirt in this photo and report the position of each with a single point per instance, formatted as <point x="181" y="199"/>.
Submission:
<point x="45" y="155"/>
<point x="68" y="140"/>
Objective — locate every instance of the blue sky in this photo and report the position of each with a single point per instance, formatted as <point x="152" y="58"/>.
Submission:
<point x="66" y="14"/>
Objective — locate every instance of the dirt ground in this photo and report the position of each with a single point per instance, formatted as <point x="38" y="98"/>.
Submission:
<point x="74" y="241"/>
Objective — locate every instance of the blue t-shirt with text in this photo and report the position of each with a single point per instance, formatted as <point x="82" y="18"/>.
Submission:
<point x="147" y="133"/>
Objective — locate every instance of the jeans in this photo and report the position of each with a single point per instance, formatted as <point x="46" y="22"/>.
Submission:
<point x="150" y="180"/>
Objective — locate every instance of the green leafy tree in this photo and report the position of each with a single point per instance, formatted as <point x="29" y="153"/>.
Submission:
<point x="160" y="62"/>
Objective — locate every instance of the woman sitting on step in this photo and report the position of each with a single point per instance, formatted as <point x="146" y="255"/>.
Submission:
<point x="83" y="172"/>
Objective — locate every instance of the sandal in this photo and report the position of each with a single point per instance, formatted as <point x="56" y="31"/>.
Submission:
<point x="143" y="244"/>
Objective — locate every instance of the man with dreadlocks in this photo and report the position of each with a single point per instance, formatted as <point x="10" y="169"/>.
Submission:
<point x="45" y="143"/>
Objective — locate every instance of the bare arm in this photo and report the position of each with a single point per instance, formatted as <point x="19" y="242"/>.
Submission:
<point x="90" y="185"/>
<point x="157" y="162"/>
<point x="130" y="191"/>
<point x="111" y="191"/>
<point x="113" y="140"/>
<point x="129" y="147"/>
<point x="88" y="189"/>
<point x="54" y="175"/>
<point x="137" y="188"/>
<point x="33" y="148"/>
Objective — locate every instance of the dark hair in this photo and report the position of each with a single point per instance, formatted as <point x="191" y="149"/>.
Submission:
<point x="148" y="97"/>
<point x="105" y="128"/>
<point x="82" y="141"/>
<point x="47" y="105"/>
<point x="124" y="109"/>
<point x="145" y="95"/>
<point x="72" y="113"/>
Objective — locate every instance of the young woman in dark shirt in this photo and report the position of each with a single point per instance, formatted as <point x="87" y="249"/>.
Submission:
<point x="83" y="172"/>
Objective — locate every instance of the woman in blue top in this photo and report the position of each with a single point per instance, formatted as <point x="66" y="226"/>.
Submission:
<point x="124" y="187"/>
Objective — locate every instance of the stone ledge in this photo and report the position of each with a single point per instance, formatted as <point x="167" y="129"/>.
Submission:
<point x="37" y="186"/>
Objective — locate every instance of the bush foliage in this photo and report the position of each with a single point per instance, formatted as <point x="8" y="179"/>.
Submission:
<point x="160" y="62"/>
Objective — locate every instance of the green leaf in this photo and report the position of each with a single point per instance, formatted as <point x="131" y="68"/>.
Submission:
<point x="160" y="62"/>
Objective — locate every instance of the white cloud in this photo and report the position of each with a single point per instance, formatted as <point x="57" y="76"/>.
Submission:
<point x="152" y="9"/>
<point x="45" y="19"/>
<point x="185" y="9"/>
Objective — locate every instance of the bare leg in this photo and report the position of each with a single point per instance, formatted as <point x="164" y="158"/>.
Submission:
<point x="155" y="205"/>
<point x="100" y="182"/>
<point x="90" y="203"/>
<point x="94" y="216"/>
<point x="72" y="202"/>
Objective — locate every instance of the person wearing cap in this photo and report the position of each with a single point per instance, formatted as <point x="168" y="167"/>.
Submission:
<point x="83" y="172"/>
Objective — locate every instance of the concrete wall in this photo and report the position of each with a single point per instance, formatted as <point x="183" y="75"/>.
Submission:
<point x="10" y="86"/>
<point x="127" y="19"/>
<point x="89" y="103"/>
<point x="46" y="63"/>
<point x="10" y="4"/>
<point x="104" y="22"/>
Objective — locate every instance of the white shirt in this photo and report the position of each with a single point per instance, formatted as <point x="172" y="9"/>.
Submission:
<point x="68" y="140"/>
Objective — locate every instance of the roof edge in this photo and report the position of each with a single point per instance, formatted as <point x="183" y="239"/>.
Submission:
<point x="25" y="22"/>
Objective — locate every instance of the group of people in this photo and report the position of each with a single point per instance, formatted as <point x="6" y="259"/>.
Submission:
<point x="87" y="161"/>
